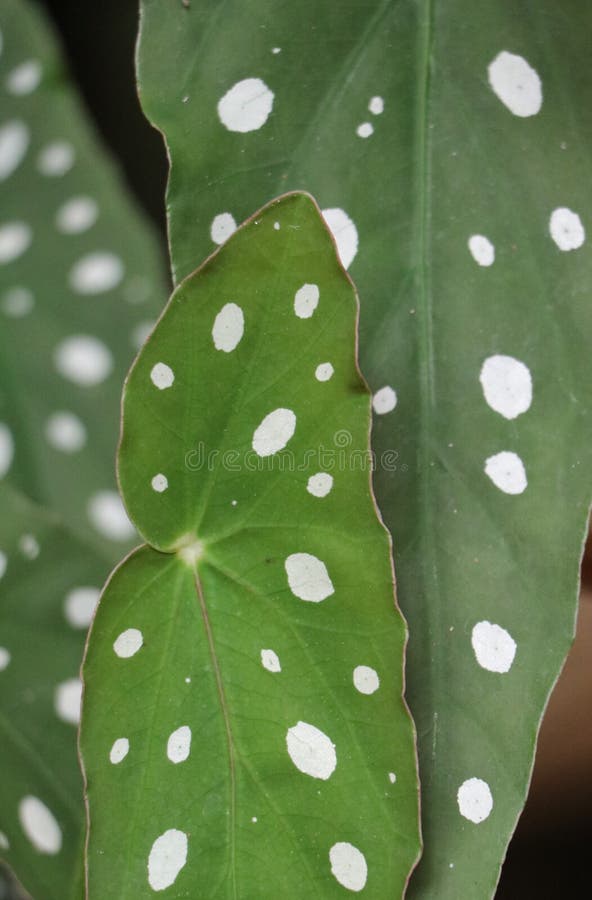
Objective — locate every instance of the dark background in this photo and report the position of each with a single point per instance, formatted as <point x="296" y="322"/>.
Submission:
<point x="548" y="857"/>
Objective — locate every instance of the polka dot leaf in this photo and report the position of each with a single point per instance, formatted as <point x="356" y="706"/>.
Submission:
<point x="80" y="272"/>
<point x="449" y="146"/>
<point x="244" y="673"/>
<point x="48" y="599"/>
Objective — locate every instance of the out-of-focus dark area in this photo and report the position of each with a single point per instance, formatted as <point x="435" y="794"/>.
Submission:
<point x="99" y="43"/>
<point x="548" y="857"/>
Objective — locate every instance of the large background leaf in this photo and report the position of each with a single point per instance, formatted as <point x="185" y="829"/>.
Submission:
<point x="49" y="588"/>
<point x="91" y="269"/>
<point x="57" y="434"/>
<point x="260" y="650"/>
<point x="388" y="113"/>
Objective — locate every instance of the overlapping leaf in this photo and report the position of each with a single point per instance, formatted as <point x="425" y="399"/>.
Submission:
<point x="244" y="732"/>
<point x="449" y="144"/>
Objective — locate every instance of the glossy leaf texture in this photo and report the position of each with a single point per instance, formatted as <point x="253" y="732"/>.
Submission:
<point x="244" y="732"/>
<point x="81" y="283"/>
<point x="48" y="586"/>
<point x="449" y="143"/>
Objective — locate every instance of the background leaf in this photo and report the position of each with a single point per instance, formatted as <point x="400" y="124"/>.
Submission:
<point x="243" y="687"/>
<point x="76" y="260"/>
<point x="77" y="301"/>
<point x="420" y="127"/>
<point x="49" y="582"/>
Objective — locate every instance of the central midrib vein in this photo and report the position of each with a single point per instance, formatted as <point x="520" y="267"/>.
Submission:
<point x="227" y="727"/>
<point x="426" y="340"/>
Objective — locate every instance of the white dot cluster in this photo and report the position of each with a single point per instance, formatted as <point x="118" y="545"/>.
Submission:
<point x="308" y="747"/>
<point x="82" y="360"/>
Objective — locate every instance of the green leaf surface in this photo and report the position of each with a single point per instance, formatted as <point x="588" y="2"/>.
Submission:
<point x="79" y="278"/>
<point x="48" y="583"/>
<point x="244" y="732"/>
<point x="80" y="283"/>
<point x="423" y="123"/>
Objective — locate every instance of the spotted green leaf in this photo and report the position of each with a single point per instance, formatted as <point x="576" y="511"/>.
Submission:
<point x="79" y="276"/>
<point x="448" y="145"/>
<point x="48" y="586"/>
<point x="80" y="284"/>
<point x="244" y="732"/>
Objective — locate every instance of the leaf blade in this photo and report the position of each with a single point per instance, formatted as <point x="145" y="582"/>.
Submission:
<point x="446" y="161"/>
<point x="267" y="602"/>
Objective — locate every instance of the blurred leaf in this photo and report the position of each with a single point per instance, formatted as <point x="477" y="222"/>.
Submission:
<point x="80" y="282"/>
<point x="420" y="127"/>
<point x="79" y="278"/>
<point x="49" y="588"/>
<point x="244" y="731"/>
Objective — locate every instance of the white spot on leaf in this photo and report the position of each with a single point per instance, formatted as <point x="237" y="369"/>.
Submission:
<point x="270" y="661"/>
<point x="17" y="302"/>
<point x="274" y="432"/>
<point x="83" y="359"/>
<point x="77" y="215"/>
<point x="65" y="432"/>
<point x="481" y="249"/>
<point x="324" y="372"/>
<point x="348" y="865"/>
<point x="566" y="229"/>
<point x="119" y="751"/>
<point x="159" y="483"/>
<point x="507" y="385"/>
<point x="223" y="225"/>
<point x="56" y="159"/>
<point x="167" y="857"/>
<point x="24" y="79"/>
<point x="345" y="234"/>
<point x="6" y="449"/>
<point x="507" y="472"/>
<point x="311" y="751"/>
<point x="366" y="680"/>
<point x="179" y="744"/>
<point x="494" y="648"/>
<point x="40" y="825"/>
<point x="392" y="777"/>
<point x="3" y="563"/>
<point x="67" y="699"/>
<point x="162" y="376"/>
<point x="79" y="606"/>
<point x="5" y="657"/>
<point x="29" y="546"/>
<point x="365" y="130"/>
<point x="308" y="577"/>
<point x="516" y="84"/>
<point x="376" y="106"/>
<point x="14" y="142"/>
<point x="229" y="327"/>
<point x="306" y="300"/>
<point x="384" y="400"/>
<point x="246" y="106"/>
<point x="96" y="273"/>
<point x="319" y="485"/>
<point x="15" y="239"/>
<point x="474" y="800"/>
<point x="128" y="643"/>
<point x="107" y="514"/>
